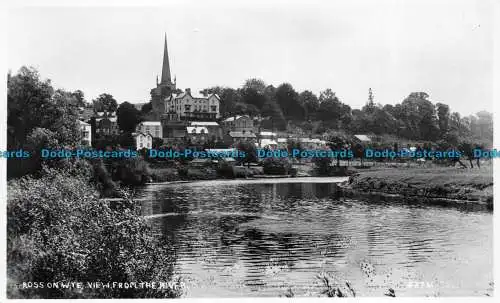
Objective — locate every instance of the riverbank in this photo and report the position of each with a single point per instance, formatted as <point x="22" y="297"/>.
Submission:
<point x="440" y="185"/>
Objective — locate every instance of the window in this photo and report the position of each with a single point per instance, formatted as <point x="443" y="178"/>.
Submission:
<point x="213" y="108"/>
<point x="187" y="107"/>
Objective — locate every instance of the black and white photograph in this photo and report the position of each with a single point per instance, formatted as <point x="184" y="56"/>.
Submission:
<point x="249" y="150"/>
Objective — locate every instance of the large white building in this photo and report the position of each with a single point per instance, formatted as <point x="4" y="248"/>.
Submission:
<point x="189" y="106"/>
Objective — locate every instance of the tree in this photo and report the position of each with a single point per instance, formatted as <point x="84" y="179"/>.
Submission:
<point x="255" y="84"/>
<point x="146" y="108"/>
<point x="443" y="113"/>
<point x="331" y="110"/>
<point x="27" y="95"/>
<point x="33" y="104"/>
<point x="105" y="102"/>
<point x="310" y="103"/>
<point x="485" y="125"/>
<point x="250" y="152"/>
<point x="80" y="98"/>
<point x="252" y="96"/>
<point x="288" y="100"/>
<point x="420" y="116"/>
<point x="128" y="117"/>
<point x="369" y="108"/>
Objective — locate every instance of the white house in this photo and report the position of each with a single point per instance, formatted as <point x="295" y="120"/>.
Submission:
<point x="143" y="140"/>
<point x="86" y="132"/>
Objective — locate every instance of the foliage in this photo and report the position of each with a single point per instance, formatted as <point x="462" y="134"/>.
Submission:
<point x="414" y="118"/>
<point x="277" y="166"/>
<point x="322" y="165"/>
<point x="127" y="117"/>
<point x="105" y="102"/>
<point x="131" y="171"/>
<point x="250" y="152"/>
<point x="58" y="230"/>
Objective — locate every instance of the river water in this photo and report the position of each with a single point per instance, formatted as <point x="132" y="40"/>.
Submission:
<point x="272" y="237"/>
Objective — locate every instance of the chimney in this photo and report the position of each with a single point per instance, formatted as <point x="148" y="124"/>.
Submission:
<point x="188" y="91"/>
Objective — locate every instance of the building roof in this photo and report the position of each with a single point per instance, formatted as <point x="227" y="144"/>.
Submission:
<point x="197" y="130"/>
<point x="151" y="123"/>
<point x="363" y="138"/>
<point x="106" y="114"/>
<point x="221" y="150"/>
<point x="194" y="96"/>
<point x="312" y="140"/>
<point x="236" y="134"/>
<point x="267" y="142"/>
<point x="267" y="134"/>
<point x="204" y="123"/>
<point x="230" y="119"/>
<point x="136" y="134"/>
<point x="83" y="123"/>
<point x="112" y="119"/>
<point x="165" y="70"/>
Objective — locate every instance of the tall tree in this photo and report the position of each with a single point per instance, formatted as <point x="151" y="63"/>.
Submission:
<point x="288" y="100"/>
<point x="105" y="102"/>
<point x="310" y="103"/>
<point x="36" y="116"/>
<point x="443" y="113"/>
<point x="79" y="98"/>
<point x="128" y="117"/>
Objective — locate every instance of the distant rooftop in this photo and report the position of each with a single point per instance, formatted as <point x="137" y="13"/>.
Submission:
<point x="204" y="123"/>
<point x="363" y="138"/>
<point x="151" y="123"/>
<point x="242" y="134"/>
<point x="230" y="119"/>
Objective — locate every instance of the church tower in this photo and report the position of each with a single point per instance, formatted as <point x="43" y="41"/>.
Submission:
<point x="163" y="89"/>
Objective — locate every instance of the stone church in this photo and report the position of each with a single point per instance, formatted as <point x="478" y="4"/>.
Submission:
<point x="171" y="104"/>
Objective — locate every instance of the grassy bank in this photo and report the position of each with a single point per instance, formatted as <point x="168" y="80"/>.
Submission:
<point x="437" y="183"/>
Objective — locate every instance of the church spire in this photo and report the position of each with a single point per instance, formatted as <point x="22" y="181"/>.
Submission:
<point x="165" y="72"/>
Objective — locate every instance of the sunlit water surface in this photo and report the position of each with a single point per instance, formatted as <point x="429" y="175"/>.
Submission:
<point x="267" y="237"/>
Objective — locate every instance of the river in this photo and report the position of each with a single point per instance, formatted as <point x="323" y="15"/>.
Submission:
<point x="269" y="237"/>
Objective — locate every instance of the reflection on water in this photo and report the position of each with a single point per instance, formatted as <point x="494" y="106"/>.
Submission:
<point x="252" y="239"/>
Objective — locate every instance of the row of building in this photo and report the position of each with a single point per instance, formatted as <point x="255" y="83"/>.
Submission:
<point x="230" y="131"/>
<point x="187" y="117"/>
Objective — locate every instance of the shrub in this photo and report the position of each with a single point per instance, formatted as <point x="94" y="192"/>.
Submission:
<point x="131" y="171"/>
<point x="225" y="170"/>
<point x="322" y="165"/>
<point x="276" y="166"/>
<point x="59" y="230"/>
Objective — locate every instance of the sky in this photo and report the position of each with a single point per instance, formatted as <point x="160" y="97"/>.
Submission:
<point x="444" y="48"/>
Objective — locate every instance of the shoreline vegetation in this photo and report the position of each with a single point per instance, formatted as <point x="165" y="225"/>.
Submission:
<point x="431" y="185"/>
<point x="472" y="188"/>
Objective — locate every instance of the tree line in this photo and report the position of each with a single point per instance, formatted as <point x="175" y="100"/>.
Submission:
<point x="414" y="118"/>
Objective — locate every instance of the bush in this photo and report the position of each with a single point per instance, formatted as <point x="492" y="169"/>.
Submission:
<point x="59" y="230"/>
<point x="277" y="166"/>
<point x="322" y="165"/>
<point x="131" y="171"/>
<point x="225" y="170"/>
